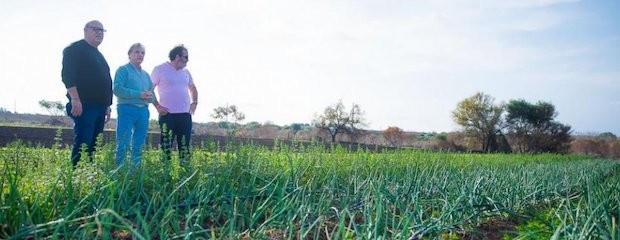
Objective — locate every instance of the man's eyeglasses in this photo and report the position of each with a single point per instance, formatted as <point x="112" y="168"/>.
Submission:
<point x="96" y="29"/>
<point x="186" y="57"/>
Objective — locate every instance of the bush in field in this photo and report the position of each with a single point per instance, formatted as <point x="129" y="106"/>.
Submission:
<point x="336" y="120"/>
<point x="533" y="129"/>
<point x="529" y="127"/>
<point x="225" y="115"/>
<point x="394" y="136"/>
<point x="481" y="119"/>
<point x="614" y="149"/>
<point x="448" y="142"/>
<point x="603" y="145"/>
<point x="56" y="110"/>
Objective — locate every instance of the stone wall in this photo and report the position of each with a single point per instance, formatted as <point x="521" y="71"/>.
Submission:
<point x="46" y="137"/>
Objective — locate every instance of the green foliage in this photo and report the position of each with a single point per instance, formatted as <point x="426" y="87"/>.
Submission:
<point x="480" y="118"/>
<point x="252" y="125"/>
<point x="298" y="127"/>
<point x="425" y="136"/>
<point x="534" y="129"/>
<point x="608" y="136"/>
<point x="537" y="228"/>
<point x="299" y="192"/>
<point x="441" y="137"/>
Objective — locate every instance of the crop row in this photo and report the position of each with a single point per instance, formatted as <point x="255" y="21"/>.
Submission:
<point x="302" y="192"/>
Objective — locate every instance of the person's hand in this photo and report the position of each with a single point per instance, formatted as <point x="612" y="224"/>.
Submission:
<point x="108" y="114"/>
<point x="76" y="107"/>
<point x="192" y="108"/>
<point x="161" y="110"/>
<point x="146" y="95"/>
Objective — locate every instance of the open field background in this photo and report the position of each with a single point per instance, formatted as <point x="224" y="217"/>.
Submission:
<point x="43" y="130"/>
<point x="264" y="188"/>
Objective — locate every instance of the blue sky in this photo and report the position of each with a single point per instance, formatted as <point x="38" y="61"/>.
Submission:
<point x="406" y="63"/>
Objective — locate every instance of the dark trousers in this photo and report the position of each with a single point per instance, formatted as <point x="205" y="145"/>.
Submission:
<point x="176" y="126"/>
<point x="86" y="129"/>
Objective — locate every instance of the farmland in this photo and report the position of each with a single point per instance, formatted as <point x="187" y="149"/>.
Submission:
<point x="308" y="192"/>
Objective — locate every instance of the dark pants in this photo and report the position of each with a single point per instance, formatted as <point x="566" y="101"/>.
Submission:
<point x="176" y="126"/>
<point x="86" y="128"/>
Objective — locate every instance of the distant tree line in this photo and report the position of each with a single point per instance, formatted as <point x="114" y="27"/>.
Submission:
<point x="516" y="126"/>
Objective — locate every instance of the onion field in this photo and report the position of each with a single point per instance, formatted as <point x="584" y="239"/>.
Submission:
<point x="307" y="192"/>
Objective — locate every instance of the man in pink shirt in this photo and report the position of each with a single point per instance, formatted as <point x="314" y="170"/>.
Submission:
<point x="176" y="103"/>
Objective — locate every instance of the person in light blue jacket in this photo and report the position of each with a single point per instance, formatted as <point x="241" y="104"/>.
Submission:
<point x="134" y="92"/>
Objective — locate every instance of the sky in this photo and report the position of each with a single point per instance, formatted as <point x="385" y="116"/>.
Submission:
<point x="406" y="63"/>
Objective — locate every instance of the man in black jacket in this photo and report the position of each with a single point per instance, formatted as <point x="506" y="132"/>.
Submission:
<point x="86" y="75"/>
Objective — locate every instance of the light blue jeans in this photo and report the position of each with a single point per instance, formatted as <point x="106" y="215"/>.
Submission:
<point x="132" y="127"/>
